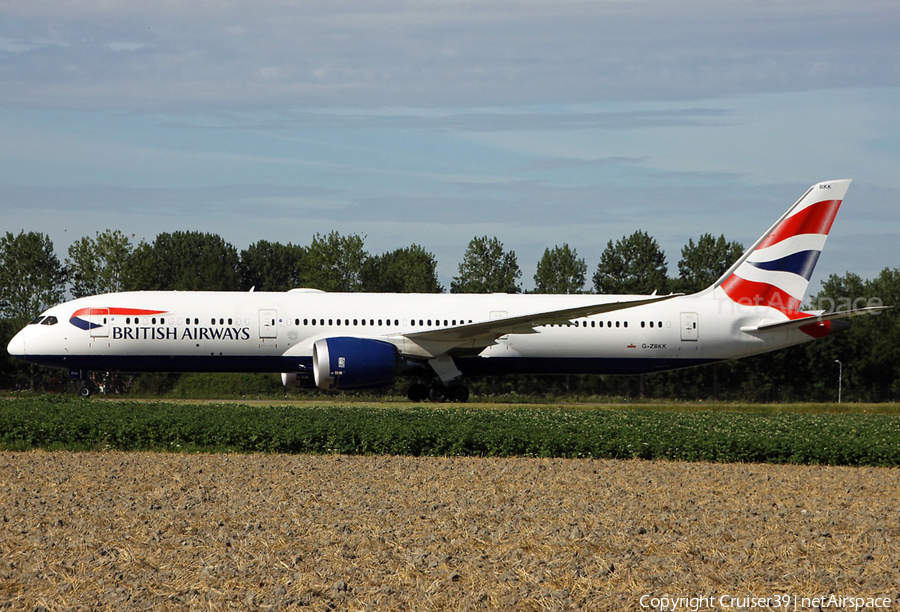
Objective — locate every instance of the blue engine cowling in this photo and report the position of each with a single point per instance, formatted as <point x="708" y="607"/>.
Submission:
<point x="353" y="363"/>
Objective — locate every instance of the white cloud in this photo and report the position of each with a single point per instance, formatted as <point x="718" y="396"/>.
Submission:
<point x="125" y="46"/>
<point x="20" y="45"/>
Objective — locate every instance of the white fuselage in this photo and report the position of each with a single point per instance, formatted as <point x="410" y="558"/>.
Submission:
<point x="275" y="332"/>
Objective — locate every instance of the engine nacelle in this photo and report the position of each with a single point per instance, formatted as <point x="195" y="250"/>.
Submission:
<point x="353" y="363"/>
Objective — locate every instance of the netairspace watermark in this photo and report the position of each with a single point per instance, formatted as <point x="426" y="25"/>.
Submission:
<point x="784" y="602"/>
<point x="824" y="304"/>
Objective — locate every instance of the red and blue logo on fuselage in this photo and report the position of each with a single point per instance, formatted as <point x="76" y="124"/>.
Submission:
<point x="94" y="316"/>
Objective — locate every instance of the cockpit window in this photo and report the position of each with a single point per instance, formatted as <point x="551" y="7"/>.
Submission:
<point x="37" y="320"/>
<point x="51" y="320"/>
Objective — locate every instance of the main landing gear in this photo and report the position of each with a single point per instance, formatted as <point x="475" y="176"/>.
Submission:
<point x="438" y="392"/>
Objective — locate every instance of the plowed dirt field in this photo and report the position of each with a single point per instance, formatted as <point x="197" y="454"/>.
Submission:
<point x="149" y="531"/>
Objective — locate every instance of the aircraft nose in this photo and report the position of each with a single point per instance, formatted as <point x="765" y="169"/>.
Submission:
<point x="16" y="346"/>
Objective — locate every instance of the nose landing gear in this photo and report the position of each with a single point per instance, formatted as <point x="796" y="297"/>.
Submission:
<point x="86" y="388"/>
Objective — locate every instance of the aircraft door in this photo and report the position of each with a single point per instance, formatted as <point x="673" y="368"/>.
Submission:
<point x="98" y="320"/>
<point x="690" y="326"/>
<point x="500" y="314"/>
<point x="268" y="323"/>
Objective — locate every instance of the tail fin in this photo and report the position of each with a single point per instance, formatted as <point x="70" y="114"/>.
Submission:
<point x="776" y="269"/>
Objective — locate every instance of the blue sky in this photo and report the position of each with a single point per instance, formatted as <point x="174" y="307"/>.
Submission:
<point x="539" y="122"/>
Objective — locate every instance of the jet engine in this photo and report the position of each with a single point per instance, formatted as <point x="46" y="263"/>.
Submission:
<point x="354" y="363"/>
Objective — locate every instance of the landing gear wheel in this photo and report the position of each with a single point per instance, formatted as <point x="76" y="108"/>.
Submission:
<point x="437" y="393"/>
<point x="458" y="393"/>
<point x="417" y="392"/>
<point x="85" y="390"/>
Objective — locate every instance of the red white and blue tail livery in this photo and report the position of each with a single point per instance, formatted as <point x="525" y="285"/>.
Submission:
<point x="775" y="271"/>
<point x="352" y="341"/>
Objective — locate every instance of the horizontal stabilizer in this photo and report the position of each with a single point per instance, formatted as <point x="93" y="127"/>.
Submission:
<point x="813" y="320"/>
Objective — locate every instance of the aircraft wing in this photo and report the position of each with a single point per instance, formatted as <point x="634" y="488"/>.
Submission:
<point x="486" y="332"/>
<point x="813" y="320"/>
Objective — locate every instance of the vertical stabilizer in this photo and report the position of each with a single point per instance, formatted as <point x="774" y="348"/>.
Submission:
<point x="776" y="269"/>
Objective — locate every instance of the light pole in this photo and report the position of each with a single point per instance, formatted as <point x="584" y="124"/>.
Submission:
<point x="840" y="376"/>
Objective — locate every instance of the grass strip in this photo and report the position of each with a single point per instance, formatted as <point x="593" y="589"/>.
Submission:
<point x="62" y="423"/>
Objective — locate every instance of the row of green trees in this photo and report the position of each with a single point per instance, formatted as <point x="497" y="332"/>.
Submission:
<point x="33" y="278"/>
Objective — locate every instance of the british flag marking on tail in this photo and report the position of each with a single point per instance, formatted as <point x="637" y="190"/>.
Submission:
<point x="777" y="271"/>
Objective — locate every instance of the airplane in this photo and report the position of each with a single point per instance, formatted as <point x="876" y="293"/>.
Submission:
<point x="366" y="340"/>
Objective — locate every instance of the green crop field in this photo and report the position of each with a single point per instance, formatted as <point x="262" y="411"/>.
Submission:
<point x="813" y="434"/>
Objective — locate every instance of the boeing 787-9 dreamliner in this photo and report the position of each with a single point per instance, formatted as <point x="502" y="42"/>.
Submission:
<point x="362" y="340"/>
